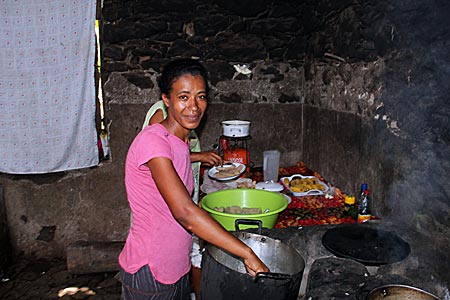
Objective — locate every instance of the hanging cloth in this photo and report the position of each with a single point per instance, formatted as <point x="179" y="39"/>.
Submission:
<point x="47" y="86"/>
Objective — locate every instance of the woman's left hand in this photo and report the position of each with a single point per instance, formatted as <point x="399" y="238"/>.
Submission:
<point x="207" y="158"/>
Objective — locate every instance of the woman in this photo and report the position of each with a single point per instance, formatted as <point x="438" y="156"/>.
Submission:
<point x="158" y="177"/>
<point x="156" y="114"/>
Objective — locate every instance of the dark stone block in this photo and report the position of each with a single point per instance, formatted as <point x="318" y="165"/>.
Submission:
<point x="167" y="37"/>
<point x="273" y="74"/>
<point x="125" y="30"/>
<point x="242" y="77"/>
<point x="112" y="66"/>
<point x="242" y="48"/>
<point x="181" y="48"/>
<point x="345" y="71"/>
<point x="269" y="71"/>
<point x="238" y="26"/>
<point x="327" y="76"/>
<point x="277" y="78"/>
<point x="273" y="42"/>
<point x="139" y="80"/>
<point x="47" y="233"/>
<point x="144" y="51"/>
<point x="232" y="98"/>
<point x="269" y="26"/>
<point x="281" y="10"/>
<point x="203" y="27"/>
<point x="114" y="52"/>
<point x="276" y="54"/>
<point x="147" y="29"/>
<point x="113" y="11"/>
<point x="219" y="71"/>
<point x="181" y="6"/>
<point x="135" y="60"/>
<point x="174" y="26"/>
<point x="196" y="40"/>
<point x="118" y="32"/>
<point x="155" y="64"/>
<point x="296" y="49"/>
<point x="249" y="8"/>
<point x="311" y="22"/>
<point x="211" y="24"/>
<point x="288" y="99"/>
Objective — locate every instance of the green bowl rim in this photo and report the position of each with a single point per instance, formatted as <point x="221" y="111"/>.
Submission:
<point x="270" y="213"/>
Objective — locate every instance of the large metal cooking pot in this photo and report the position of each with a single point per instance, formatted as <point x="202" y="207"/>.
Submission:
<point x="399" y="292"/>
<point x="224" y="276"/>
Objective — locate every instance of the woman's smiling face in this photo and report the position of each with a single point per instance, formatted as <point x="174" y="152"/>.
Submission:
<point x="187" y="101"/>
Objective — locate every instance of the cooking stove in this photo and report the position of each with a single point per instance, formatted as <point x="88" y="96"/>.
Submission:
<point x="327" y="276"/>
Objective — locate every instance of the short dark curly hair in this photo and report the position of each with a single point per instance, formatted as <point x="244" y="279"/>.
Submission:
<point x="177" y="68"/>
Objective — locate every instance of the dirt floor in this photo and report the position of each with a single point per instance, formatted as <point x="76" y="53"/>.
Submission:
<point x="42" y="279"/>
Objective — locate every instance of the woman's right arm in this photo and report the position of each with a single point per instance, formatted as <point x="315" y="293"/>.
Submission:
<point x="196" y="219"/>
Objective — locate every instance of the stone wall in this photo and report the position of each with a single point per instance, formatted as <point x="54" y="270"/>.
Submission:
<point x="5" y="250"/>
<point x="354" y="89"/>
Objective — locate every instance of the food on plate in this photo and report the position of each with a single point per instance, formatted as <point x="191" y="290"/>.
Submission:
<point x="228" y="171"/>
<point x="237" y="210"/>
<point x="301" y="185"/>
<point x="245" y="183"/>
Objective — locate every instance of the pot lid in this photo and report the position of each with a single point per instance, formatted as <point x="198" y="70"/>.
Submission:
<point x="269" y="186"/>
<point x="369" y="246"/>
<point x="236" y="123"/>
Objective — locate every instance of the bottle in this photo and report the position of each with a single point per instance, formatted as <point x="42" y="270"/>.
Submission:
<point x="364" y="211"/>
<point x="350" y="207"/>
<point x="364" y="187"/>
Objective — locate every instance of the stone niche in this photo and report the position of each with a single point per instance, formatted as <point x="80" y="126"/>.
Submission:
<point x="356" y="90"/>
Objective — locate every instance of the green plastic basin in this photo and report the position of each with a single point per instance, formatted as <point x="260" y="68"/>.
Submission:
<point x="251" y="198"/>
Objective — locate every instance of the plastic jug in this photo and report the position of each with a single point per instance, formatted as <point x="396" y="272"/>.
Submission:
<point x="271" y="165"/>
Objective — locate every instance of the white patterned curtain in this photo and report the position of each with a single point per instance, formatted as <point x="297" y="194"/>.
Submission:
<point x="47" y="86"/>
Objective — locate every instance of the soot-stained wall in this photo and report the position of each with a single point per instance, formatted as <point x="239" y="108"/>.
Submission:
<point x="355" y="89"/>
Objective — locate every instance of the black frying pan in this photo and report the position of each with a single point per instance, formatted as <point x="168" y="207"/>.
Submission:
<point x="366" y="245"/>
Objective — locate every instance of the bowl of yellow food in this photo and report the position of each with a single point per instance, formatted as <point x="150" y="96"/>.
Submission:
<point x="300" y="185"/>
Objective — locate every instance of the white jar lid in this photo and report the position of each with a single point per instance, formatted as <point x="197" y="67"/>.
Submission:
<point x="269" y="186"/>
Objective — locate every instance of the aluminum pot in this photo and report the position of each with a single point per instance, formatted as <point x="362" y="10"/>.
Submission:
<point x="224" y="276"/>
<point x="399" y="292"/>
<point x="236" y="128"/>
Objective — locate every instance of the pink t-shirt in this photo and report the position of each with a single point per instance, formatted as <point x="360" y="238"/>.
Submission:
<point x="155" y="237"/>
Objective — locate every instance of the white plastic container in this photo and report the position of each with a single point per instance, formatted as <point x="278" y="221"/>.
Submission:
<point x="271" y="165"/>
<point x="236" y="128"/>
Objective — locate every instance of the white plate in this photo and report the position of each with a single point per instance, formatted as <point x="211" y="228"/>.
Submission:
<point x="213" y="171"/>
<point x="307" y="193"/>
<point x="269" y="186"/>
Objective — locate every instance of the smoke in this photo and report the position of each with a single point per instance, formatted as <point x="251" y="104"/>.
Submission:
<point x="416" y="94"/>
